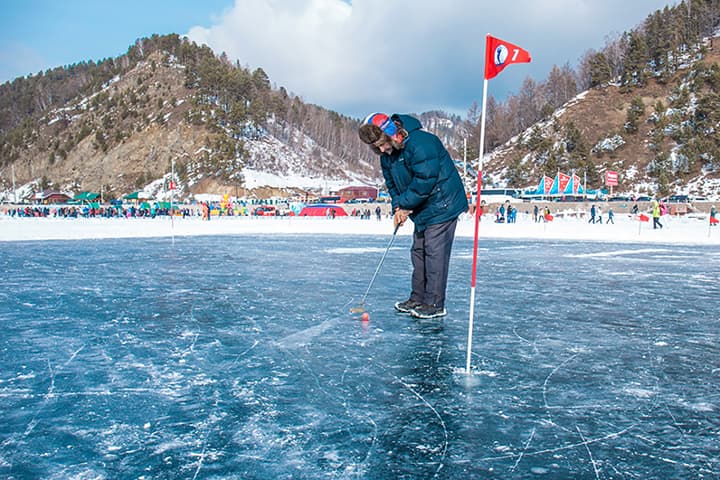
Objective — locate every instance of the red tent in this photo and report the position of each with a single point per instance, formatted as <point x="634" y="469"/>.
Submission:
<point x="321" y="210"/>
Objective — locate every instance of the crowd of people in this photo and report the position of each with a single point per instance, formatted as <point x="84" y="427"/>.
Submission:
<point x="366" y="213"/>
<point x="93" y="212"/>
<point x="596" y="215"/>
<point x="505" y="213"/>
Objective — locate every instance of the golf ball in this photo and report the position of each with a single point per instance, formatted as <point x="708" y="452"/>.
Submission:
<point x="365" y="317"/>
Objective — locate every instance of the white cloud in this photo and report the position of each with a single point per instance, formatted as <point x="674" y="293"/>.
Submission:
<point x="409" y="55"/>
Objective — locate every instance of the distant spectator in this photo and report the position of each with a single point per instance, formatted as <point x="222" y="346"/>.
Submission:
<point x="611" y="216"/>
<point x="713" y="216"/>
<point x="656" y="214"/>
<point x="592" y="214"/>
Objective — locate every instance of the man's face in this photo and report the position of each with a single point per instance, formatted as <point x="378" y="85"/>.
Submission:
<point x="384" y="145"/>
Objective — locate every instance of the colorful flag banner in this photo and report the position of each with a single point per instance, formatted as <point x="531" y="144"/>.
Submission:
<point x="499" y="54"/>
<point x="563" y="181"/>
<point x="547" y="184"/>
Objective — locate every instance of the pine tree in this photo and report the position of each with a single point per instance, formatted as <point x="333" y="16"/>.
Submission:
<point x="636" y="59"/>
<point x="635" y="111"/>
<point x="599" y="70"/>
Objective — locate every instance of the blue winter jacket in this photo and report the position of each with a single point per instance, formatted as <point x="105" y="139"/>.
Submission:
<point x="422" y="177"/>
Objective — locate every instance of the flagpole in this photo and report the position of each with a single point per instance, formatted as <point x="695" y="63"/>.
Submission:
<point x="473" y="281"/>
<point x="14" y="189"/>
<point x="172" y="198"/>
<point x="465" y="161"/>
<point x="498" y="54"/>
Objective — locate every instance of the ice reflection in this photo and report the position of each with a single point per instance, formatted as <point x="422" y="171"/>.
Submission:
<point x="236" y="357"/>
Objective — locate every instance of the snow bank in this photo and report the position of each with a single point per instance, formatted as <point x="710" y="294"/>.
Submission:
<point x="682" y="230"/>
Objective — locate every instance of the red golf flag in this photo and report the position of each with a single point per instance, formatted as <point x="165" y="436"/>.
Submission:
<point x="499" y="54"/>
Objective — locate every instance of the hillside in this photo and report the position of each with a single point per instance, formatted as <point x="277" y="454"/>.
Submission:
<point x="175" y="105"/>
<point x="649" y="134"/>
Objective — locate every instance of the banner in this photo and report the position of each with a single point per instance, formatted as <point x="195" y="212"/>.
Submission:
<point x="611" y="178"/>
<point x="563" y="181"/>
<point x="548" y="184"/>
<point x="499" y="54"/>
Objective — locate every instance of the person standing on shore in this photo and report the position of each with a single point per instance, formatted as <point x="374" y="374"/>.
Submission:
<point x="713" y="217"/>
<point x="425" y="186"/>
<point x="656" y="214"/>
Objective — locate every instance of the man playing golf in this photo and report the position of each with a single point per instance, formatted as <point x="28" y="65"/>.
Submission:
<point x="425" y="186"/>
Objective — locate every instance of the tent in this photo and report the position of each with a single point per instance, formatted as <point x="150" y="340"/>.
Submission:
<point x="560" y="186"/>
<point x="573" y="186"/>
<point x="321" y="210"/>
<point x="86" y="196"/>
<point x="542" y="189"/>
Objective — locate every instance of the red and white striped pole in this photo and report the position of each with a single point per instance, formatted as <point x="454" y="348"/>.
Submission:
<point x="473" y="281"/>
<point x="498" y="55"/>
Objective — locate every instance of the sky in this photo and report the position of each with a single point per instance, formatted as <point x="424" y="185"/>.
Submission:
<point x="351" y="56"/>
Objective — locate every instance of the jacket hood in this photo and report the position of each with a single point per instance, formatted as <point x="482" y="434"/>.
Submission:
<point x="409" y="123"/>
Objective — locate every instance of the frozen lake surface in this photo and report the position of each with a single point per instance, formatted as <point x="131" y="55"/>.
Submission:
<point x="236" y="357"/>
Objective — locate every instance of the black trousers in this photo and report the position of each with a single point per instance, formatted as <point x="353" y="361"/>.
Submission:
<point x="430" y="256"/>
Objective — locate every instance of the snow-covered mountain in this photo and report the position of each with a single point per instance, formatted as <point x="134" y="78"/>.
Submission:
<point x="172" y="109"/>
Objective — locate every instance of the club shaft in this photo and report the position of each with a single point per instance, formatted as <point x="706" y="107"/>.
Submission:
<point x="372" y="280"/>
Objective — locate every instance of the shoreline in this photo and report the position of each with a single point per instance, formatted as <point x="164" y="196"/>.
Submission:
<point x="677" y="230"/>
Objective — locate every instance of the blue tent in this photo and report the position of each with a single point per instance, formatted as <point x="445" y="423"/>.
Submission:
<point x="574" y="187"/>
<point x="542" y="188"/>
